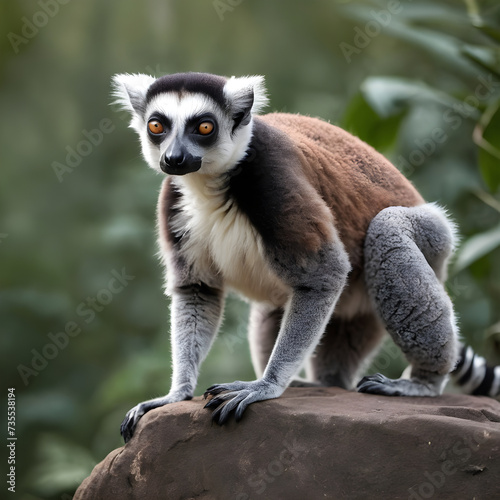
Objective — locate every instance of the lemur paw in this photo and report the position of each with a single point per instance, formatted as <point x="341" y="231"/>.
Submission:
<point x="379" y="384"/>
<point x="131" y="419"/>
<point x="236" y="396"/>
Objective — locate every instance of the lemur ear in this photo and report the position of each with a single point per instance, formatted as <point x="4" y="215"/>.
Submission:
<point x="245" y="96"/>
<point x="130" y="91"/>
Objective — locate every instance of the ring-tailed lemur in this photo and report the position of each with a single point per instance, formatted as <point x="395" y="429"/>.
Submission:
<point x="319" y="231"/>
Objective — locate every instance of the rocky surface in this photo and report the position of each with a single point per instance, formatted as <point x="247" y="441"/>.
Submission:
<point x="310" y="444"/>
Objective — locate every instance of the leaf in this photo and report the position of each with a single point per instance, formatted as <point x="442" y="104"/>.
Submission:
<point x="484" y="18"/>
<point x="485" y="57"/>
<point x="376" y="113"/>
<point x="490" y="31"/>
<point x="414" y="25"/>
<point x="476" y="247"/>
<point x="487" y="198"/>
<point x="389" y="96"/>
<point x="487" y="137"/>
<point x="490" y="169"/>
<point x="361" y="120"/>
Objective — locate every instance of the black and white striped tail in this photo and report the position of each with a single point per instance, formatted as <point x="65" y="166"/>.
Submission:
<point x="475" y="376"/>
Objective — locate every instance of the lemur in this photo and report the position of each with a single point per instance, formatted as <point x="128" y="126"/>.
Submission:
<point x="330" y="243"/>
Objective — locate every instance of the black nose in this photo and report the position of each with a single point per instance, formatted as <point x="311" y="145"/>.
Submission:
<point x="173" y="162"/>
<point x="180" y="163"/>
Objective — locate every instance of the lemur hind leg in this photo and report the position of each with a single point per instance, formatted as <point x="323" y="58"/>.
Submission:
<point x="344" y="350"/>
<point x="406" y="253"/>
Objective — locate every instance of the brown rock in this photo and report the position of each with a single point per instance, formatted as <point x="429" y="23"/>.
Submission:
<point x="310" y="444"/>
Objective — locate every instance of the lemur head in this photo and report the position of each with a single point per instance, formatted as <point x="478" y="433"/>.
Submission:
<point x="190" y="122"/>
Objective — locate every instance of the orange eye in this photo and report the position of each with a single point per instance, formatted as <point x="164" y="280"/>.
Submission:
<point x="155" y="127"/>
<point x="205" y="128"/>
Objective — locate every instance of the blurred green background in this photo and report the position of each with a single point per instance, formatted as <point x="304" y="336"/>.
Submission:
<point x="418" y="80"/>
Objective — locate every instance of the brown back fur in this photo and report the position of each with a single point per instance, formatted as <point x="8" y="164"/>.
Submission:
<point x="353" y="179"/>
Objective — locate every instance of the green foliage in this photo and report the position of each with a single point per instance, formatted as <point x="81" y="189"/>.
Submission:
<point x="487" y="137"/>
<point x="477" y="246"/>
<point x="422" y="86"/>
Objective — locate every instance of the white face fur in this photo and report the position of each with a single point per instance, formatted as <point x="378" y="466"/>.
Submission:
<point x="180" y="115"/>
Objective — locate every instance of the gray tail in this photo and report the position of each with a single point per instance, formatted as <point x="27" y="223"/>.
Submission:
<point x="474" y="375"/>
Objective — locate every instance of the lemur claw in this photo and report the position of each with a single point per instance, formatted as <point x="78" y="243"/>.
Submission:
<point x="234" y="398"/>
<point x="430" y="386"/>
<point x="378" y="384"/>
<point x="130" y="421"/>
<point x="129" y="424"/>
<point x="213" y="390"/>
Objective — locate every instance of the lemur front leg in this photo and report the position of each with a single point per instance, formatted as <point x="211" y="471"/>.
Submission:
<point x="316" y="286"/>
<point x="195" y="317"/>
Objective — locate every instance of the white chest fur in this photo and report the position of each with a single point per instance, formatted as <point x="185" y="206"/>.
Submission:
<point x="221" y="239"/>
